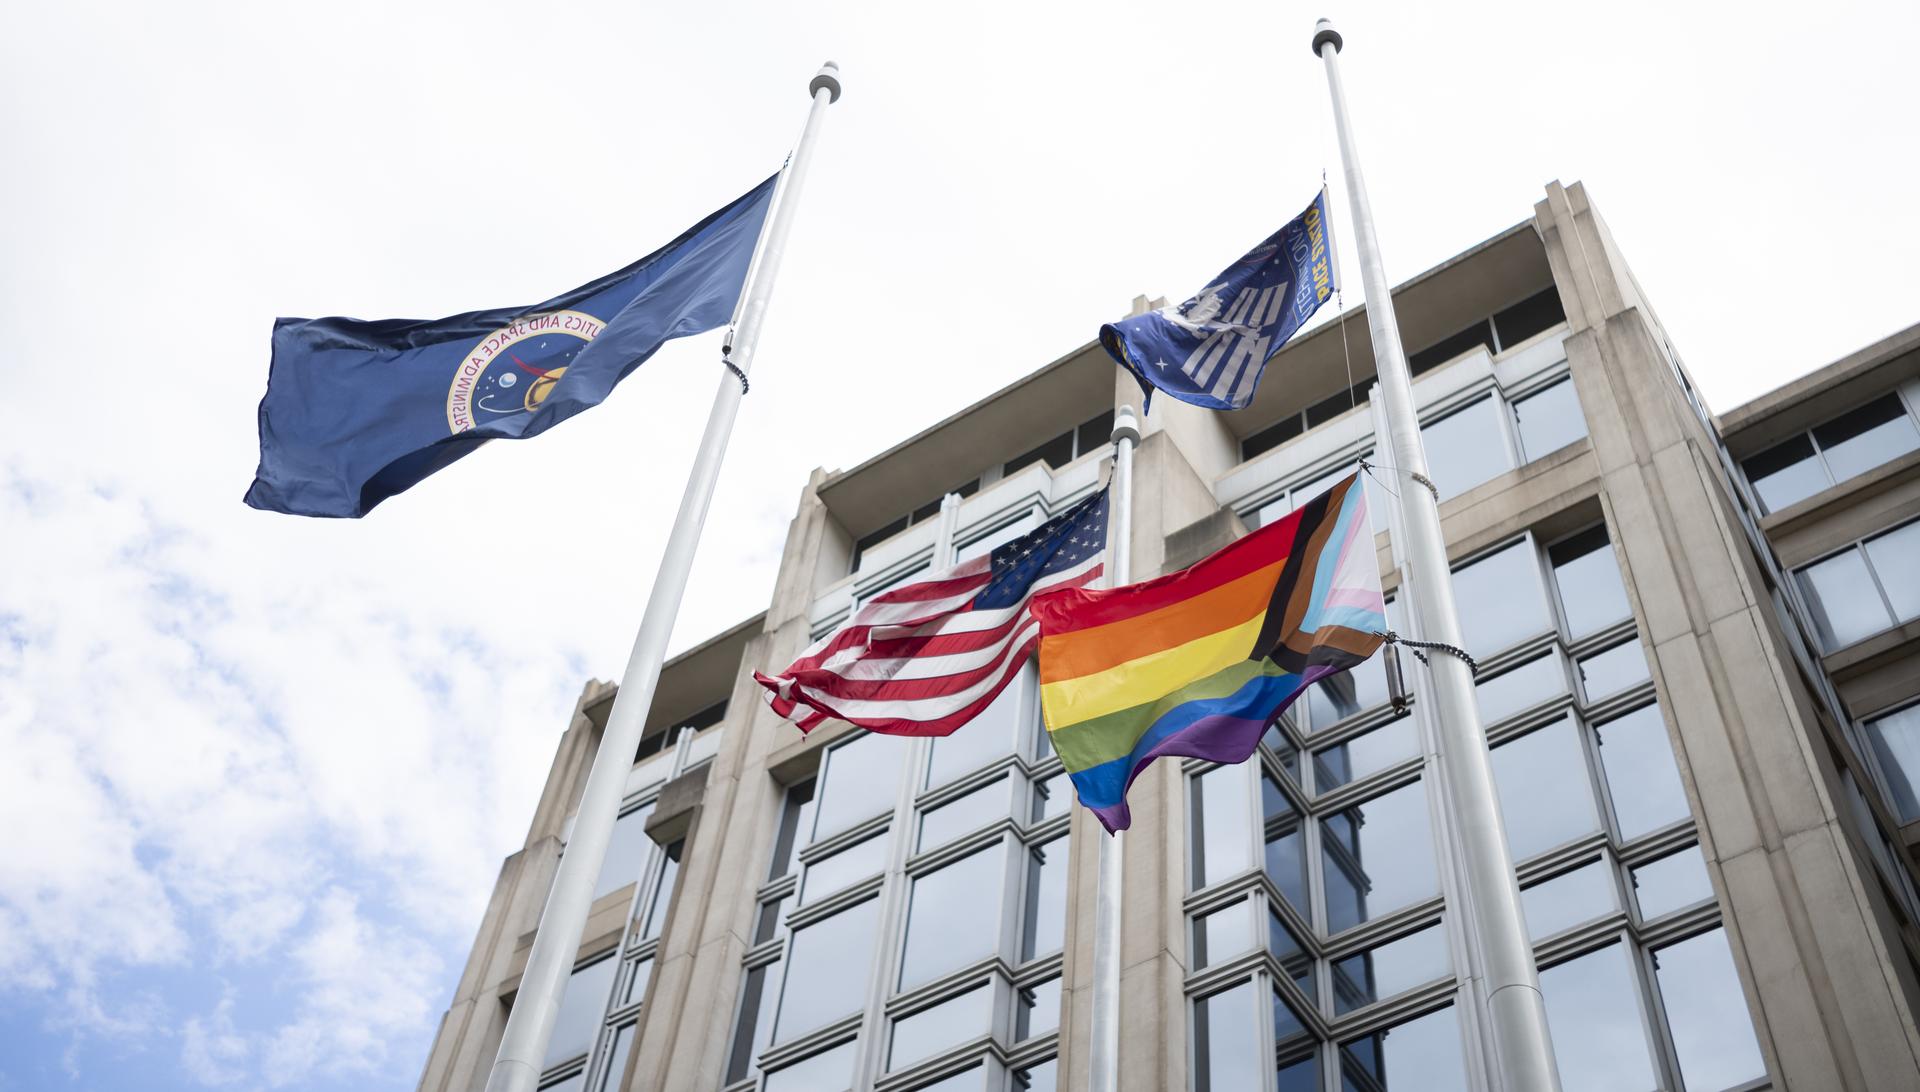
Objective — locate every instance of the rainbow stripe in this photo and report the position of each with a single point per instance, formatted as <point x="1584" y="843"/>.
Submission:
<point x="1200" y="661"/>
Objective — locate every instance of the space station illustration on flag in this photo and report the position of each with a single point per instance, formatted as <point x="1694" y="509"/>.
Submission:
<point x="925" y="658"/>
<point x="1212" y="349"/>
<point x="356" y="411"/>
<point x="1199" y="662"/>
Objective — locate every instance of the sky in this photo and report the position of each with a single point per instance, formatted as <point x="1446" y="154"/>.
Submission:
<point x="258" y="773"/>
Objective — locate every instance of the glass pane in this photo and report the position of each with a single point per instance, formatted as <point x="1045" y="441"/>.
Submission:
<point x="1046" y="909"/>
<point x="1044" y="1077"/>
<point x="970" y="812"/>
<point x="932" y="1030"/>
<point x="1226" y="1048"/>
<point x="995" y="732"/>
<point x="663" y="892"/>
<point x="1222" y="829"/>
<point x="1878" y="432"/>
<point x="843" y="869"/>
<point x="1300" y="1074"/>
<point x="1846" y="604"/>
<point x="1053" y="796"/>
<point x="567" y="1084"/>
<point x="756" y="1022"/>
<point x="1294" y="958"/>
<point x="637" y="981"/>
<point x="1588" y="579"/>
<point x="1222" y="934"/>
<point x="1594" y="1020"/>
<point x="1641" y="776"/>
<point x="954" y="916"/>
<point x="626" y="852"/>
<point x="1395" y="741"/>
<point x="1466" y="448"/>
<point x="827" y="969"/>
<point x="1786" y="473"/>
<point x="617" y="1057"/>
<point x="1896" y="743"/>
<point x="1546" y="795"/>
<point x="1337" y="697"/>
<point x="1276" y="739"/>
<point x="1896" y="561"/>
<point x="1549" y="420"/>
<point x="1286" y="853"/>
<point x="1378" y="856"/>
<point x="583" y="1004"/>
<point x="1501" y="600"/>
<point x="1036" y="1010"/>
<point x="1605" y="674"/>
<point x="796" y="820"/>
<point x="1569" y="899"/>
<point x="823" y="1072"/>
<point x="1391" y="968"/>
<point x="1673" y="881"/>
<point x="1288" y="1029"/>
<point x="862" y="780"/>
<point x="773" y="918"/>
<point x="1421" y="1055"/>
<point x="1522" y="688"/>
<point x="1707" y="1013"/>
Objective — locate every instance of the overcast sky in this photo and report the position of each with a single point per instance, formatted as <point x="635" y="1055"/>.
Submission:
<point x="257" y="773"/>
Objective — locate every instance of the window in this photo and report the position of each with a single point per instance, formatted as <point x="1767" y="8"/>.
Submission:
<point x="1619" y="668"/>
<point x="1671" y="883"/>
<point x="953" y="917"/>
<point x="1226" y="1046"/>
<point x="1542" y="783"/>
<point x="626" y="851"/>
<point x="1593" y="1018"/>
<point x="827" y="970"/>
<point x="1549" y="420"/>
<point x="1642" y="778"/>
<point x="1390" y="969"/>
<point x="1388" y="745"/>
<point x="1091" y="435"/>
<point x="1791" y="471"/>
<point x="1865" y="588"/>
<point x="1222" y="831"/>
<point x="822" y="1072"/>
<point x="1707" y="1013"/>
<point x="1222" y="934"/>
<point x="1478" y="335"/>
<point x="921" y="514"/>
<point x="1588" y="583"/>
<point x="1895" y="739"/>
<point x="940" y="1026"/>
<point x="1573" y="898"/>
<point x="1465" y="448"/>
<point x="1045" y="922"/>
<point x="1541" y="311"/>
<point x="1520" y="688"/>
<point x="970" y="812"/>
<point x="1378" y="856"/>
<point x="861" y="780"/>
<point x="1421" y="1055"/>
<point x="830" y="875"/>
<point x="656" y="917"/>
<point x="1501" y="599"/>
<point x="583" y="1002"/>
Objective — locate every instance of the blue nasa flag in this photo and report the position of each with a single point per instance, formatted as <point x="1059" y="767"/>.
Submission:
<point x="1211" y="350"/>
<point x="357" y="411"/>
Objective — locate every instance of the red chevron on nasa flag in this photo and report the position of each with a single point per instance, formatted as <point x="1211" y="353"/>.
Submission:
<point x="925" y="658"/>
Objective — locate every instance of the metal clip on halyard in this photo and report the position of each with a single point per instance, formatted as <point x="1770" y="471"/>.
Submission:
<point x="726" y="349"/>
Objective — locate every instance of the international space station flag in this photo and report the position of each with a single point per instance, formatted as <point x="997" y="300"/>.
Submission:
<point x="1200" y="661"/>
<point x="1212" y="349"/>
<point x="356" y="411"/>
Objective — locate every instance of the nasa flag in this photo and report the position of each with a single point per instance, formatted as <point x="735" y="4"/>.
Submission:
<point x="357" y="411"/>
<point x="1211" y="350"/>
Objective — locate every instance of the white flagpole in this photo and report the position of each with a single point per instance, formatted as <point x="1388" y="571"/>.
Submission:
<point x="1524" y="1052"/>
<point x="1104" y="1065"/>
<point x="523" y="1045"/>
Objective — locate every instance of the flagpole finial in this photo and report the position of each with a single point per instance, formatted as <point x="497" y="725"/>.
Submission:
<point x="1323" y="33"/>
<point x="829" y="78"/>
<point x="1125" y="425"/>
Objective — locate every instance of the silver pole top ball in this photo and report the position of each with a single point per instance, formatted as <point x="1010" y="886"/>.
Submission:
<point x="1125" y="425"/>
<point x="1323" y="33"/>
<point x="829" y="78"/>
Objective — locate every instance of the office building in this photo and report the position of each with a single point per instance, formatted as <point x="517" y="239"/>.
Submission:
<point x="1698" y="642"/>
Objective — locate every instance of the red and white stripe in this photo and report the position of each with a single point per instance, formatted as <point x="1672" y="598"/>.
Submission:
<point x="917" y="660"/>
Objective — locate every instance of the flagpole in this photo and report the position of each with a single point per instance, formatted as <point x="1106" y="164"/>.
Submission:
<point x="1104" y="1065"/>
<point x="536" y="1005"/>
<point x="1524" y="1052"/>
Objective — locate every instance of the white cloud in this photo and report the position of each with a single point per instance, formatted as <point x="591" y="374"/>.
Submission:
<point x="221" y="771"/>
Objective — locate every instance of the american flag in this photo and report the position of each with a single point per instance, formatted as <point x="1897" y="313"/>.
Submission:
<point x="925" y="658"/>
